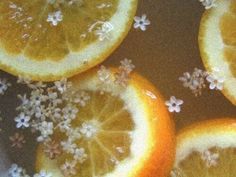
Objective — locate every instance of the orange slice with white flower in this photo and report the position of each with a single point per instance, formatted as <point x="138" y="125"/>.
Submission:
<point x="217" y="45"/>
<point x="53" y="39"/>
<point x="206" y="149"/>
<point x="123" y="130"/>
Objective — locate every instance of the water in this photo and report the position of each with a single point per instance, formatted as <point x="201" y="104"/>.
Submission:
<point x="162" y="54"/>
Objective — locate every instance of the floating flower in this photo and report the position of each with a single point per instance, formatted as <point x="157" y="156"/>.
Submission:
<point x="22" y="121"/>
<point x="211" y="159"/>
<point x="174" y="104"/>
<point x="15" y="171"/>
<point x="69" y="168"/>
<point x="104" y="32"/>
<point x="4" y="86"/>
<point x="216" y="82"/>
<point x="88" y="129"/>
<point x="55" y="17"/>
<point x="141" y="22"/>
<point x="52" y="149"/>
<point x="43" y="173"/>
<point x="17" y="140"/>
<point x="80" y="155"/>
<point x="208" y="3"/>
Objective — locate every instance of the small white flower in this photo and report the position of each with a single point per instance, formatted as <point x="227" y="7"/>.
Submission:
<point x="65" y="125"/>
<point x="22" y="121"/>
<point x="211" y="159"/>
<point x="37" y="97"/>
<point x="216" y="82"/>
<point x="43" y="173"/>
<point x="81" y="98"/>
<point x="141" y="22"/>
<point x="15" y="171"/>
<point x="46" y="129"/>
<point x="69" y="168"/>
<point x="80" y="155"/>
<point x="126" y="65"/>
<point x="70" y="111"/>
<point x="55" y="17"/>
<point x="62" y="85"/>
<point x="174" y="104"/>
<point x="73" y="134"/>
<point x="4" y="86"/>
<point x="68" y="146"/>
<point x="104" y="74"/>
<point x="88" y="129"/>
<point x="105" y="31"/>
<point x="208" y="3"/>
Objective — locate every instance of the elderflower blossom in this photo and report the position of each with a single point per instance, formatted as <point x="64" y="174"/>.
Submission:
<point x="211" y="159"/>
<point x="104" y="32"/>
<point x="174" y="104"/>
<point x="208" y="4"/>
<point x="141" y="22"/>
<point x="4" y="86"/>
<point x="55" y="17"/>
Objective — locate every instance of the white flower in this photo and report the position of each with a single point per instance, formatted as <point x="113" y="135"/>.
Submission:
<point x="211" y="159"/>
<point x="70" y="111"/>
<point x="73" y="134"/>
<point x="81" y="98"/>
<point x="126" y="65"/>
<point x="37" y="97"/>
<point x="43" y="173"/>
<point x="208" y="3"/>
<point x="141" y="22"/>
<point x="104" y="74"/>
<point x="105" y="31"/>
<point x="46" y="129"/>
<point x="80" y="155"/>
<point x="22" y="121"/>
<point x="65" y="125"/>
<point x="88" y="129"/>
<point x="68" y="146"/>
<point x="69" y="168"/>
<point x="216" y="82"/>
<point x="15" y="171"/>
<point x="174" y="104"/>
<point x="62" y="85"/>
<point x="55" y="17"/>
<point x="4" y="86"/>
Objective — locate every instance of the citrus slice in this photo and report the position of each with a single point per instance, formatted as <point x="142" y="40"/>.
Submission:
<point x="217" y="44"/>
<point x="53" y="39"/>
<point x="206" y="149"/>
<point x="125" y="131"/>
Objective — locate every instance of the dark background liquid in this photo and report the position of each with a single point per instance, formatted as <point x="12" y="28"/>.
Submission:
<point x="162" y="54"/>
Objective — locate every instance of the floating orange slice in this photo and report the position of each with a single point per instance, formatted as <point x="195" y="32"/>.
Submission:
<point x="53" y="39"/>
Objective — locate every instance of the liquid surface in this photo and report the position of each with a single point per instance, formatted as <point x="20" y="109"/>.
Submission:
<point x="162" y="53"/>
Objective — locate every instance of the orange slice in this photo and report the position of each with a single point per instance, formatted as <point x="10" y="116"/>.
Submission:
<point x="132" y="133"/>
<point x="53" y="39"/>
<point x="206" y="149"/>
<point x="217" y="42"/>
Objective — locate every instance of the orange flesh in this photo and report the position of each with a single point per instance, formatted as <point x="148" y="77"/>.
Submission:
<point x="228" y="32"/>
<point x="24" y="28"/>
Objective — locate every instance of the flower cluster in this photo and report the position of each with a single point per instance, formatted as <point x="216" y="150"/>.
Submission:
<point x="198" y="79"/>
<point x="194" y="81"/>
<point x="16" y="171"/>
<point x="208" y="3"/>
<point x="55" y="17"/>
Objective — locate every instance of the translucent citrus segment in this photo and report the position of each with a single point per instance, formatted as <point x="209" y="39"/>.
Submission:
<point x="217" y="44"/>
<point x="206" y="149"/>
<point x="124" y="131"/>
<point x="70" y="35"/>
